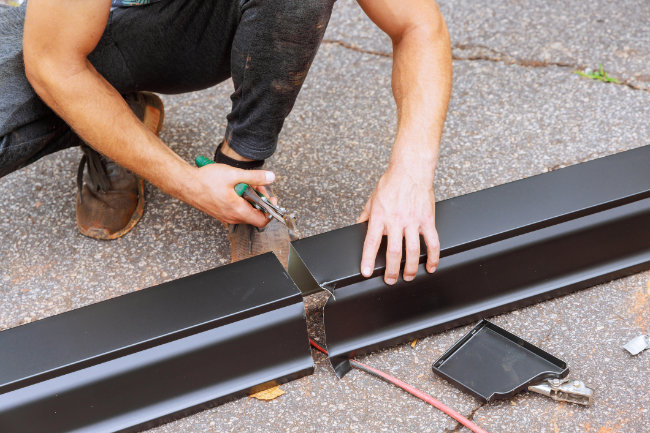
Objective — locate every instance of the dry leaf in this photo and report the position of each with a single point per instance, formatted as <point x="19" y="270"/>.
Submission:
<point x="269" y="394"/>
<point x="414" y="342"/>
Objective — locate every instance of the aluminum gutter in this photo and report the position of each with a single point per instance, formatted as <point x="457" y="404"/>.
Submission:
<point x="501" y="249"/>
<point x="488" y="280"/>
<point x="153" y="355"/>
<point x="332" y="259"/>
<point x="164" y="352"/>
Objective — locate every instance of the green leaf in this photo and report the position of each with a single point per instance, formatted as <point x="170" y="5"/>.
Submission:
<point x="599" y="75"/>
<point x="582" y="74"/>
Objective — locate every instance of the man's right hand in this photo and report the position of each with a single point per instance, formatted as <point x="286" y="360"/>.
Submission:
<point x="213" y="192"/>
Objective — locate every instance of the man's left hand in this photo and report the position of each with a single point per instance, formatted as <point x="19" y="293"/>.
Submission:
<point x="402" y="207"/>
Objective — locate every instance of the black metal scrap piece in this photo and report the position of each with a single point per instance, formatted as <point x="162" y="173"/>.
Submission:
<point x="157" y="354"/>
<point x="501" y="248"/>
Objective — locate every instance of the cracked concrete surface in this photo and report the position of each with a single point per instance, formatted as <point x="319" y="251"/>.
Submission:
<point x="483" y="53"/>
<point x="469" y="416"/>
<point x="573" y="33"/>
<point x="506" y="121"/>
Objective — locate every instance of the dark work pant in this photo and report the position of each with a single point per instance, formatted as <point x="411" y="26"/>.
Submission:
<point x="175" y="46"/>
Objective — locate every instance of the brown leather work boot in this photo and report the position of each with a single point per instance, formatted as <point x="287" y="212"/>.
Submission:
<point x="248" y="241"/>
<point x="111" y="201"/>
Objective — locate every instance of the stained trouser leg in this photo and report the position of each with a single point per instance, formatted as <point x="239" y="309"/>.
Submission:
<point x="273" y="48"/>
<point x="266" y="45"/>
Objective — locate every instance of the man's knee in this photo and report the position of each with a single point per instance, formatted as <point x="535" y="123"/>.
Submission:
<point x="314" y="13"/>
<point x="299" y="27"/>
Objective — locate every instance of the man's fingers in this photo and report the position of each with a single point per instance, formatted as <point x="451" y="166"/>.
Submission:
<point x="370" y="248"/>
<point x="412" y="243"/>
<point x="365" y="215"/>
<point x="263" y="190"/>
<point x="254" y="177"/>
<point x="393" y="256"/>
<point x="247" y="214"/>
<point x="433" y="248"/>
<point x="266" y="192"/>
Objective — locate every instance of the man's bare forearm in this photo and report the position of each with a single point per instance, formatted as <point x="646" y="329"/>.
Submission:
<point x="402" y="206"/>
<point x="99" y="114"/>
<point x="421" y="85"/>
<point x="57" y="41"/>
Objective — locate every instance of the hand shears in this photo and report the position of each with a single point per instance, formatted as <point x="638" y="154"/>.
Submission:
<point x="259" y="201"/>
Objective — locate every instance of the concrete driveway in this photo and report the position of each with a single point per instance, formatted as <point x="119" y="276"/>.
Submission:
<point x="518" y="109"/>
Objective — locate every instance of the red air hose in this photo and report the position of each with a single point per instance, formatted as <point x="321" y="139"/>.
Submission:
<point x="411" y="390"/>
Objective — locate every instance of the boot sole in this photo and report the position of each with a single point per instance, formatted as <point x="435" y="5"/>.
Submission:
<point x="101" y="234"/>
<point x="275" y="238"/>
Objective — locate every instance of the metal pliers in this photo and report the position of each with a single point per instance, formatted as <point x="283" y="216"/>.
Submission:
<point x="259" y="201"/>
<point x="262" y="203"/>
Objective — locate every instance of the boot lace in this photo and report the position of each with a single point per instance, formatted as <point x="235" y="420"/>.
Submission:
<point x="96" y="170"/>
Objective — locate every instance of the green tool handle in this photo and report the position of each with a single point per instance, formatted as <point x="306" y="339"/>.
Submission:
<point x="201" y="160"/>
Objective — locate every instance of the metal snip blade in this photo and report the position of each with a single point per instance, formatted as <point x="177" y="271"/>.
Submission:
<point x="290" y="222"/>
